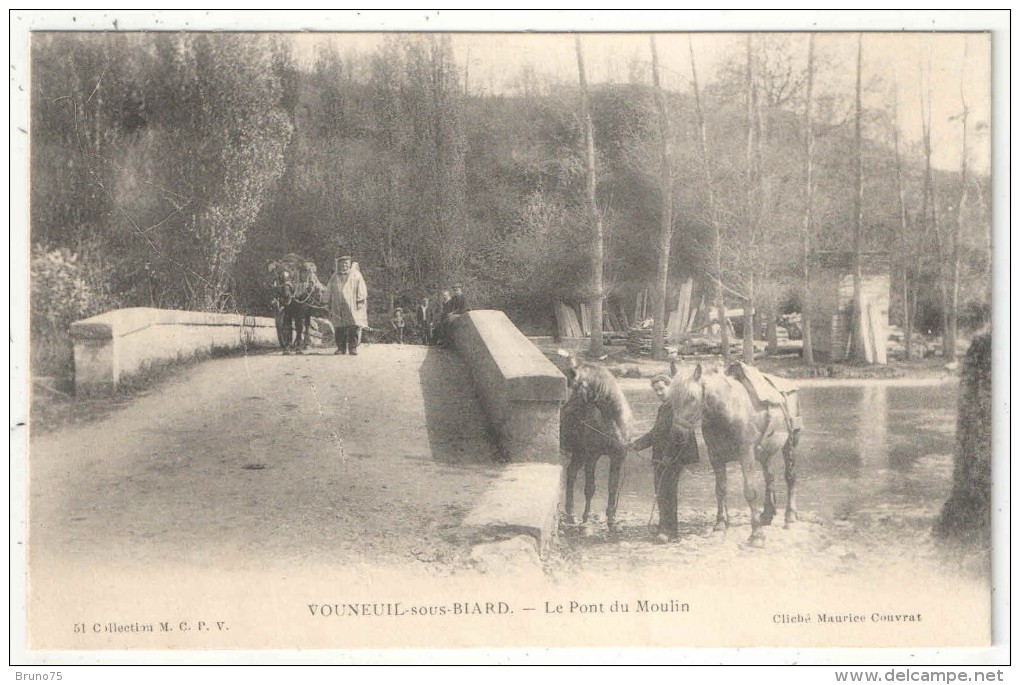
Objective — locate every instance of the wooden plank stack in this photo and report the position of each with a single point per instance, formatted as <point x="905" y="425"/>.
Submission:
<point x="680" y="319"/>
<point x="567" y="324"/>
<point x="576" y="322"/>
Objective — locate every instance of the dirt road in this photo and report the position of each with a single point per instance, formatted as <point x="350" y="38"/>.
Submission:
<point x="270" y="459"/>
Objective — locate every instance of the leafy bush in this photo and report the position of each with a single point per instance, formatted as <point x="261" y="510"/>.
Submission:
<point x="66" y="287"/>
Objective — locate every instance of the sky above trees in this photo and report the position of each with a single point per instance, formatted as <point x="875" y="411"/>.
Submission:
<point x="916" y="63"/>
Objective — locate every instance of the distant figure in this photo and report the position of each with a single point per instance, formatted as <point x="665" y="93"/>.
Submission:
<point x="444" y="307"/>
<point x="310" y="292"/>
<point x="424" y="319"/>
<point x="670" y="453"/>
<point x="347" y="299"/>
<point x="398" y="323"/>
<point x="458" y="303"/>
<point x="275" y="304"/>
<point x="285" y="292"/>
<point x="453" y="308"/>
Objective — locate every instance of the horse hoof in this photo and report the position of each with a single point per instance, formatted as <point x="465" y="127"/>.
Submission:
<point x="720" y="526"/>
<point x="757" y="540"/>
<point x="613" y="526"/>
<point x="661" y="539"/>
<point x="587" y="531"/>
<point x="569" y="520"/>
<point x="791" y="517"/>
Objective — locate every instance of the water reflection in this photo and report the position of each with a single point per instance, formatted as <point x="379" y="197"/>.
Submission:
<point x="872" y="448"/>
<point x="863" y="446"/>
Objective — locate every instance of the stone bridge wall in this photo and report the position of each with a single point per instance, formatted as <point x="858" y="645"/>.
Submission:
<point x="116" y="344"/>
<point x="520" y="389"/>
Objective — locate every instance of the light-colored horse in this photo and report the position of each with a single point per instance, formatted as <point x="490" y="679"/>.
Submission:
<point x="736" y="427"/>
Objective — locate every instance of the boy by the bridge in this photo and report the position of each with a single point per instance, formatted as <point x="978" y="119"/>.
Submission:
<point x="669" y="456"/>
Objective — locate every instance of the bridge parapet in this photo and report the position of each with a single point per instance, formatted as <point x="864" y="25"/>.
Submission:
<point x="520" y="389"/>
<point x="110" y="346"/>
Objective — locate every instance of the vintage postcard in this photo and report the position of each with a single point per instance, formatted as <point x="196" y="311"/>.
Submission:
<point x="669" y="335"/>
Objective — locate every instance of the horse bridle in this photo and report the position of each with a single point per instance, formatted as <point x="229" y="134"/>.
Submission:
<point x="693" y="425"/>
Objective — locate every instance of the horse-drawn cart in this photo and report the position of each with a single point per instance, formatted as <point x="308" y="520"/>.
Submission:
<point x="293" y="268"/>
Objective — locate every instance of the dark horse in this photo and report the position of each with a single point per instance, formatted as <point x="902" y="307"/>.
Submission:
<point x="737" y="427"/>
<point x="596" y="420"/>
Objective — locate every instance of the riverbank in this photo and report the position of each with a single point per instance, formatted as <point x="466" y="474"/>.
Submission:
<point x="624" y="364"/>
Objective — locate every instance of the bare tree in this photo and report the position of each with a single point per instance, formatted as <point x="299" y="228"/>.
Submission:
<point x="949" y="345"/>
<point x="858" y="345"/>
<point x="930" y="210"/>
<point x="809" y="209"/>
<point x="666" y="219"/>
<point x="595" y="296"/>
<point x="713" y="220"/>
<point x="751" y="215"/>
<point x="904" y="238"/>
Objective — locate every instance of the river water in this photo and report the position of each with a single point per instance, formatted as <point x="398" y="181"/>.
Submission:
<point x="883" y="448"/>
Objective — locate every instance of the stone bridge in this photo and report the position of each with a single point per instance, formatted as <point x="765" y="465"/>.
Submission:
<point x="403" y="455"/>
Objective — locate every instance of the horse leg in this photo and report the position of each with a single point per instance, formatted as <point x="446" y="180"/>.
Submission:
<point x="572" y="468"/>
<point x="589" y="486"/>
<point x="791" y="481"/>
<point x="722" y="517"/>
<point x="751" y="495"/>
<point x="615" y="466"/>
<point x="770" y="493"/>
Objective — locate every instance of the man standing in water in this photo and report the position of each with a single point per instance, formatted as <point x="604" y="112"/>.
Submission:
<point x="669" y="456"/>
<point x="347" y="297"/>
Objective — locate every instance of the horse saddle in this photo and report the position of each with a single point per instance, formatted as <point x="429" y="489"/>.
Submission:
<point x="768" y="390"/>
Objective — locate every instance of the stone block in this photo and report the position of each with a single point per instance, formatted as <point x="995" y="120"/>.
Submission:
<point x="524" y="500"/>
<point x="121" y="342"/>
<point x="519" y="388"/>
<point x="516" y="557"/>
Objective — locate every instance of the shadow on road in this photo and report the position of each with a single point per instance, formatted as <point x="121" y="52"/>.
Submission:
<point x="456" y="424"/>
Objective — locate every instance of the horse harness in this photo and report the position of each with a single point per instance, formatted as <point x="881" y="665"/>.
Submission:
<point x="763" y="390"/>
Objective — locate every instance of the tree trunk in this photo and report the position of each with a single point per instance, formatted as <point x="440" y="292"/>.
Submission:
<point x="903" y="242"/>
<point x="720" y="302"/>
<point x="807" y="351"/>
<point x="968" y="510"/>
<point x="595" y="297"/>
<point x="749" y="325"/>
<point x="954" y="300"/>
<point x="912" y="314"/>
<point x="908" y="328"/>
<point x="931" y="216"/>
<point x="749" y="218"/>
<point x="666" y="222"/>
<point x="858" y="344"/>
<point x="771" y="334"/>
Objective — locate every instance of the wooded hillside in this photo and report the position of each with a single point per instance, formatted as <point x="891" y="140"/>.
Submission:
<point x="169" y="169"/>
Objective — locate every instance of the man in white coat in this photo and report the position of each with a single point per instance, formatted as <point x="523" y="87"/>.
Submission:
<point x="347" y="297"/>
